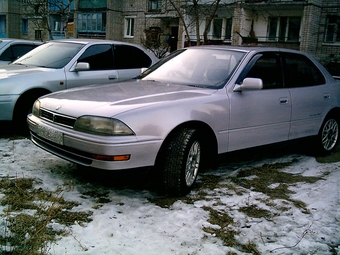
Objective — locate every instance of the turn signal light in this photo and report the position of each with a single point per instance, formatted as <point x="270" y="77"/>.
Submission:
<point x="112" y="158"/>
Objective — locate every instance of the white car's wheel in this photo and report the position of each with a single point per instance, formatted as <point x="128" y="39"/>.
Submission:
<point x="182" y="161"/>
<point x="328" y="137"/>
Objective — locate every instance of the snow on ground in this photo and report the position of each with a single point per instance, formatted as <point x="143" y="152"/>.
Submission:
<point x="130" y="224"/>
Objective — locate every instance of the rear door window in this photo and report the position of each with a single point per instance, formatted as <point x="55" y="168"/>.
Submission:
<point x="129" y="57"/>
<point x="301" y="72"/>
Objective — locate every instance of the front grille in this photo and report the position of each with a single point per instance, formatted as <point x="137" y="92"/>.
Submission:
<point x="46" y="115"/>
<point x="57" y="118"/>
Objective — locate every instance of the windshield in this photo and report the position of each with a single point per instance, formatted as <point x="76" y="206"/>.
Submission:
<point x="196" y="67"/>
<point x="51" y="55"/>
<point x="3" y="44"/>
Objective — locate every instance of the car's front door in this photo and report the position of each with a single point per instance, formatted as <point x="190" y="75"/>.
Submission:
<point x="259" y="117"/>
<point x="100" y="59"/>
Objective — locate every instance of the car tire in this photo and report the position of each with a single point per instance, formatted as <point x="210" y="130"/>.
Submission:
<point x="182" y="161"/>
<point x="328" y="137"/>
<point x="22" y="109"/>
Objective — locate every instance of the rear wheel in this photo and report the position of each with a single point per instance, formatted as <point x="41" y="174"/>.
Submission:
<point x="182" y="161"/>
<point x="328" y="136"/>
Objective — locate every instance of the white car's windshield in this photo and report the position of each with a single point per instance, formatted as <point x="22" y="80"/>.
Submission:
<point x="196" y="67"/>
<point x="51" y="55"/>
<point x="3" y="44"/>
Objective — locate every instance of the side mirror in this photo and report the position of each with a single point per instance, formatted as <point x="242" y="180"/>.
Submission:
<point x="249" y="84"/>
<point x="82" y="66"/>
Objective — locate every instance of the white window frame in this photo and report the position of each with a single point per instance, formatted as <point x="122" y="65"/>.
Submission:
<point x="129" y="26"/>
<point x="335" y="30"/>
<point x="154" y="5"/>
<point x="211" y="35"/>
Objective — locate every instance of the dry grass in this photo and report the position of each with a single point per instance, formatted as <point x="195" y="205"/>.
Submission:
<point x="29" y="212"/>
<point x="267" y="179"/>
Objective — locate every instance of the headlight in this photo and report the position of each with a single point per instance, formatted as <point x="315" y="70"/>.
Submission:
<point x="102" y="126"/>
<point x="36" y="108"/>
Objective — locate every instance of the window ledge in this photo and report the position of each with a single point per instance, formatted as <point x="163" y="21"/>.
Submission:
<point x="336" y="44"/>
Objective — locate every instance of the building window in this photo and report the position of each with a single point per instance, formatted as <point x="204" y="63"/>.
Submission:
<point x="284" y="29"/>
<point x="2" y="25"/>
<point x="129" y="27"/>
<point x="217" y="28"/>
<point x="228" y="28"/>
<point x="155" y="5"/>
<point x="24" y="26"/>
<point x="333" y="29"/>
<point x="220" y="29"/>
<point x="91" y="24"/>
<point x="37" y="34"/>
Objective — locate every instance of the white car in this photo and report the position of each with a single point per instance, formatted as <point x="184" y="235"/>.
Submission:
<point x="12" y="49"/>
<point x="65" y="64"/>
<point x="196" y="104"/>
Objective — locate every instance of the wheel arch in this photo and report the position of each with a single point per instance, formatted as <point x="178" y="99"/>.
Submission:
<point x="207" y="137"/>
<point x="335" y="112"/>
<point x="29" y="94"/>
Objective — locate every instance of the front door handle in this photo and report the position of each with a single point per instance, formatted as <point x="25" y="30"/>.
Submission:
<point x="112" y="77"/>
<point x="284" y="100"/>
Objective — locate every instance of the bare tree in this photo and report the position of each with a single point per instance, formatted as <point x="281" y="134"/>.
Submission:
<point x="40" y="11"/>
<point x="190" y="13"/>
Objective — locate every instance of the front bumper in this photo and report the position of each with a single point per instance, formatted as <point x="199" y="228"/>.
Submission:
<point x="83" y="149"/>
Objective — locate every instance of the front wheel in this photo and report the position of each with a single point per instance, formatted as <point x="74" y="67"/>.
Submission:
<point x="181" y="162"/>
<point x="22" y="109"/>
<point x="328" y="136"/>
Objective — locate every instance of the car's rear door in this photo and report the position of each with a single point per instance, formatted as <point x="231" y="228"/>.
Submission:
<point x="311" y="97"/>
<point x="129" y="61"/>
<point x="259" y="117"/>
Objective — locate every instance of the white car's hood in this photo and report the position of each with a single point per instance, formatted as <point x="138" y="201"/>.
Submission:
<point x="12" y="70"/>
<point x="109" y="100"/>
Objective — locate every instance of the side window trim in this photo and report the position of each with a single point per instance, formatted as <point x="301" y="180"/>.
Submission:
<point x="105" y="63"/>
<point x="273" y="81"/>
<point x="247" y="68"/>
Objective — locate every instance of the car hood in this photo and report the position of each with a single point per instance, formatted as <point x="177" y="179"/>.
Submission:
<point x="109" y="100"/>
<point x="7" y="71"/>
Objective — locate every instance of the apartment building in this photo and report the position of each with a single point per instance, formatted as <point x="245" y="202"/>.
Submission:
<point x="10" y="19"/>
<point x="311" y="26"/>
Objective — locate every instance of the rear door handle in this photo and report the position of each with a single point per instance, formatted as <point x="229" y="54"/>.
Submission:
<point x="112" y="77"/>
<point x="326" y="96"/>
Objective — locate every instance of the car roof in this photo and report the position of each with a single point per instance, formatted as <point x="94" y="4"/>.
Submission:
<point x="93" y="41"/>
<point x="246" y="48"/>
<point x="17" y="40"/>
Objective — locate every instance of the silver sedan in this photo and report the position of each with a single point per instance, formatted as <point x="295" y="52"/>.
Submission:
<point x="66" y="64"/>
<point x="12" y="49"/>
<point x="196" y="104"/>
